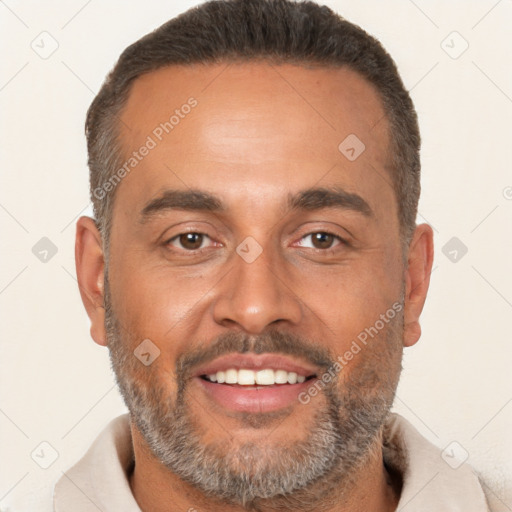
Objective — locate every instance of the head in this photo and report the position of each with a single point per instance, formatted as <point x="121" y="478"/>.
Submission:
<point x="255" y="179"/>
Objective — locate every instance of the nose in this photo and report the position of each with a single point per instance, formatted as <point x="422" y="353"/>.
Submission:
<point x="255" y="295"/>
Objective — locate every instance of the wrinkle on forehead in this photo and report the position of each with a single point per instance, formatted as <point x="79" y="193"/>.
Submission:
<point x="259" y="105"/>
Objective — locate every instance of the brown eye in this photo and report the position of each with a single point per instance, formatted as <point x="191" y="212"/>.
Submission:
<point x="322" y="240"/>
<point x="189" y="241"/>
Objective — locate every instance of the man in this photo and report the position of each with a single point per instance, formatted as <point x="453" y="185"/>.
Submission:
<point x="255" y="270"/>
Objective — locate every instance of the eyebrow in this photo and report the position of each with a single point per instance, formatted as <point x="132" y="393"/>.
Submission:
<point x="191" y="200"/>
<point x="329" y="197"/>
<point x="310" y="199"/>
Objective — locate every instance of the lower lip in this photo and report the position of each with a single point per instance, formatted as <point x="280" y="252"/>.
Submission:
<point x="254" y="398"/>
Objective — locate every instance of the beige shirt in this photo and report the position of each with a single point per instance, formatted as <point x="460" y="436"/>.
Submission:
<point x="430" y="484"/>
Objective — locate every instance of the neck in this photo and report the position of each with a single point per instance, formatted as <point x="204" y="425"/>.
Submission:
<point x="371" y="489"/>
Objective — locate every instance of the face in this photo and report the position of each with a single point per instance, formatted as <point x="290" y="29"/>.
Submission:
<point x="265" y="269"/>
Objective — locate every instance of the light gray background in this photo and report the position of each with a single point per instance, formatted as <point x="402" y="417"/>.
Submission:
<point x="55" y="382"/>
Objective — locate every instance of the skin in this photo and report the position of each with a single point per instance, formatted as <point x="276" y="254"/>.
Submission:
<point x="252" y="140"/>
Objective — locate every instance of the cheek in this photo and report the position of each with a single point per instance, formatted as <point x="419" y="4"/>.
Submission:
<point x="371" y="360"/>
<point x="350" y="297"/>
<point x="155" y="302"/>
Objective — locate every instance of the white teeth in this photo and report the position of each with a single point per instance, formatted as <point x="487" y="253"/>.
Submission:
<point x="246" y="377"/>
<point x="265" y="377"/>
<point x="281" y="377"/>
<point x="231" y="376"/>
<point x="292" y="378"/>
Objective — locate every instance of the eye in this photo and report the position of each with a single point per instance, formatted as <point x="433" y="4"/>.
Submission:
<point x="320" y="240"/>
<point x="189" y="241"/>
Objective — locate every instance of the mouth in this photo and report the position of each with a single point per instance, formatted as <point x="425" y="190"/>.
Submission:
<point x="255" y="383"/>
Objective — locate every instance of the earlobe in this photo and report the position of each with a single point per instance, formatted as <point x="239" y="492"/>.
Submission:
<point x="417" y="280"/>
<point x="90" y="266"/>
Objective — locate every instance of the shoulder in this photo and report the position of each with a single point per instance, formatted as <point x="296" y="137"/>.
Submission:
<point x="433" y="478"/>
<point x="88" y="485"/>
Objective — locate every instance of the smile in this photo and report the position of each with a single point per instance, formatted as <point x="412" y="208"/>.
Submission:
<point x="255" y="382"/>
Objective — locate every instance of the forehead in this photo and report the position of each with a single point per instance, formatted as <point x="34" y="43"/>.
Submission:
<point x="255" y="126"/>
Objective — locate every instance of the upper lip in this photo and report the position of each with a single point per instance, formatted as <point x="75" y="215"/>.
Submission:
<point x="255" y="362"/>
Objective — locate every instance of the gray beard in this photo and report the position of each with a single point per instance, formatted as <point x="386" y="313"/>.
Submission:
<point x="299" y="474"/>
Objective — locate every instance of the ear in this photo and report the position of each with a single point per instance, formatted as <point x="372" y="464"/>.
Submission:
<point x="90" y="267"/>
<point x="417" y="279"/>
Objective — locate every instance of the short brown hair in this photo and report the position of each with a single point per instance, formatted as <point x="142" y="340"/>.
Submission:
<point x="278" y="31"/>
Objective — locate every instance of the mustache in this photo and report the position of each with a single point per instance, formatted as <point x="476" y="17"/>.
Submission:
<point x="272" y="341"/>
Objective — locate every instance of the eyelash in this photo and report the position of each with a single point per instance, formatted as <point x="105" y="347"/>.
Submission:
<point x="342" y="241"/>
